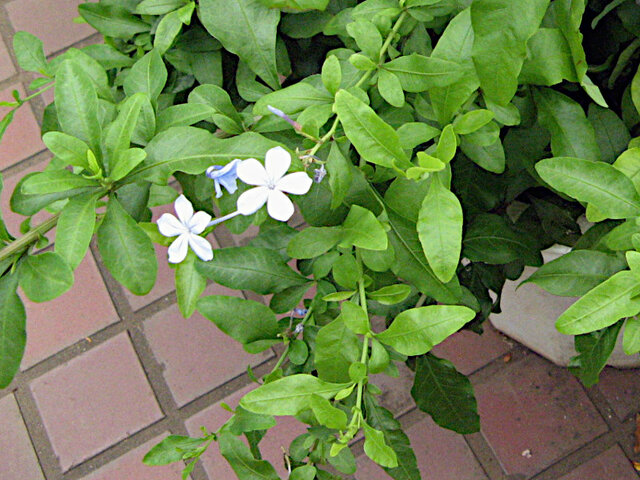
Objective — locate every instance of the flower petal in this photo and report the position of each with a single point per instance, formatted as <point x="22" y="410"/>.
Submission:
<point x="252" y="172"/>
<point x="184" y="209"/>
<point x="178" y="249"/>
<point x="201" y="247"/>
<point x="277" y="161"/>
<point x="279" y="206"/>
<point x="297" y="183"/>
<point x="252" y="200"/>
<point x="170" y="226"/>
<point x="199" y="222"/>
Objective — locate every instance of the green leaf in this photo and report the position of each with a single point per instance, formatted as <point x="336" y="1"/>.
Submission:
<point x="244" y="421"/>
<point x="158" y="7"/>
<point x="118" y="138"/>
<point x="339" y="296"/>
<point x="305" y="472"/>
<point x="242" y="461"/>
<point x="251" y="35"/>
<point x="331" y="74"/>
<point x="612" y="134"/>
<point x="108" y="56"/>
<point x="70" y="150"/>
<point x="13" y="333"/>
<point x="602" y="306"/>
<point x="413" y="134"/>
<point x="418" y="330"/>
<point x="455" y="45"/>
<point x="289" y="298"/>
<point x="491" y="157"/>
<point x="362" y="229"/>
<point x="127" y="161"/>
<point x="167" y="31"/>
<point x="390" y="88"/>
<point x="289" y="395"/>
<point x="246" y="321"/>
<point x="374" y="139"/>
<point x="631" y="337"/>
<point x="597" y="183"/>
<point x="75" y="229"/>
<point x="380" y="359"/>
<point x="367" y="36"/>
<point x="173" y="449"/>
<point x="183" y="115"/>
<point x="45" y="276"/>
<point x="411" y="264"/>
<point x="112" y="20"/>
<point x="340" y="175"/>
<point x="54" y="181"/>
<point x="503" y="26"/>
<point x="418" y="73"/>
<point x="382" y="419"/>
<point x="445" y="394"/>
<point x="126" y="250"/>
<point x="148" y="75"/>
<point x="5" y="122"/>
<point x="593" y="350"/>
<point x="490" y="239"/>
<point x="376" y="449"/>
<point x="391" y="294"/>
<point x="92" y="68"/>
<point x="577" y="272"/>
<point x="314" y="241"/>
<point x="346" y="271"/>
<point x="189" y="285"/>
<point x="355" y="318"/>
<point x="327" y="414"/>
<point x="297" y="5"/>
<point x="337" y="347"/>
<point x="76" y="104"/>
<point x="440" y="230"/>
<point x="30" y="53"/>
<point x="249" y="268"/>
<point x="217" y="98"/>
<point x="472" y="121"/>
<point x="549" y="59"/>
<point x="571" y="133"/>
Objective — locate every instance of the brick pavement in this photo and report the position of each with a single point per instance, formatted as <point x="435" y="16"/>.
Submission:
<point x="106" y="374"/>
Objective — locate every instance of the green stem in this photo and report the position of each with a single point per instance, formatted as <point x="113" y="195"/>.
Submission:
<point x="39" y="92"/>
<point x="32" y="236"/>
<point x="286" y="350"/>
<point x="365" y="342"/>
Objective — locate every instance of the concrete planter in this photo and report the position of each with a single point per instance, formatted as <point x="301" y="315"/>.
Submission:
<point x="529" y="316"/>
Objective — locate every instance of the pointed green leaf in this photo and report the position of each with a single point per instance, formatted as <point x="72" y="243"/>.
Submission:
<point x="112" y="20"/>
<point x="327" y="414"/>
<point x="362" y="229"/>
<point x="13" y="333"/>
<point x="418" y="73"/>
<point x="337" y="347"/>
<point x="75" y="229"/>
<point x="242" y="461"/>
<point x="314" y="241"/>
<point x="189" y="285"/>
<point x="54" y="181"/>
<point x="148" y="75"/>
<point x="376" y="448"/>
<point x="71" y="150"/>
<point x="391" y="294"/>
<point x="631" y="337"/>
<point x="593" y="350"/>
<point x="45" y="276"/>
<point x="30" y="53"/>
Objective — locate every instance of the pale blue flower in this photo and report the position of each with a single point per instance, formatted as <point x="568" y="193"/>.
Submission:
<point x="225" y="176"/>
<point x="187" y="227"/>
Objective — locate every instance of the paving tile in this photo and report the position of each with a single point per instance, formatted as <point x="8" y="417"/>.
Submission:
<point x="396" y="392"/>
<point x="130" y="466"/>
<point x="50" y="20"/>
<point x="621" y="388"/>
<point x="441" y="454"/>
<point x="94" y="401"/>
<point x="165" y="282"/>
<point x="19" y="461"/>
<point x="55" y="325"/>
<point x="531" y="405"/>
<point x="609" y="465"/>
<point x="271" y="445"/>
<point x="22" y="138"/>
<point x="195" y="354"/>
<point x="6" y="65"/>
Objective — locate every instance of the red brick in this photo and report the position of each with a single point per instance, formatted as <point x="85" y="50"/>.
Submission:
<point x="19" y="461"/>
<point x="94" y="401"/>
<point x="469" y="351"/>
<point x="6" y="65"/>
<point x="50" y="20"/>
<point x="82" y="311"/>
<point x="130" y="466"/>
<point x="441" y="454"/>
<point x="22" y="138"/>
<point x="534" y="406"/>
<point x="271" y="445"/>
<point x="197" y="357"/>
<point x="609" y="465"/>
<point x="621" y="388"/>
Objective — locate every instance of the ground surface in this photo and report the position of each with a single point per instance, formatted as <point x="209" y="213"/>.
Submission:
<point x="107" y="374"/>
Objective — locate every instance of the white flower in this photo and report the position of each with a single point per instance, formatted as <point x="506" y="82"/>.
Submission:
<point x="271" y="182"/>
<point x="187" y="227"/>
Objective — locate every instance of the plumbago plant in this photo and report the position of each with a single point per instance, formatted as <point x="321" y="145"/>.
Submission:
<point x="433" y="148"/>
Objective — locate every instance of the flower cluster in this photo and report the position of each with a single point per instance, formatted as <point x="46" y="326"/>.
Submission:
<point x="270" y="182"/>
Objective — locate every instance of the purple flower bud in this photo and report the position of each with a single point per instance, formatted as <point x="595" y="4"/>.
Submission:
<point x="285" y="117"/>
<point x="319" y="174"/>
<point x="299" y="329"/>
<point x="225" y="176"/>
<point x="300" y="311"/>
